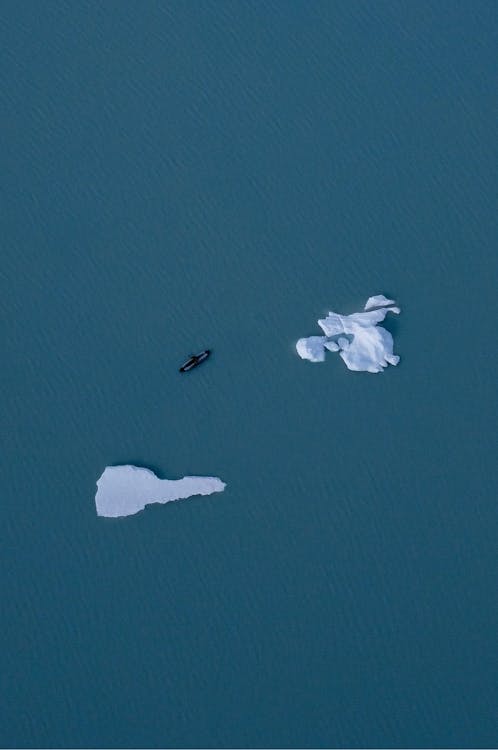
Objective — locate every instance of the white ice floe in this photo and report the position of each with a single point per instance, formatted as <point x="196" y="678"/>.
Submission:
<point x="378" y="301"/>
<point x="312" y="348"/>
<point x="125" y="490"/>
<point x="362" y="344"/>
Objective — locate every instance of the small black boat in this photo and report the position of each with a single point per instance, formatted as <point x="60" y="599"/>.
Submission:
<point x="194" y="360"/>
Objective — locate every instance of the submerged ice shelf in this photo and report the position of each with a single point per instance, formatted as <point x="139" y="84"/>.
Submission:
<point x="362" y="344"/>
<point x="125" y="490"/>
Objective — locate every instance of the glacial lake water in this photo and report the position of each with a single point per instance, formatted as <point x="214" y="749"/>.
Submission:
<point x="183" y="175"/>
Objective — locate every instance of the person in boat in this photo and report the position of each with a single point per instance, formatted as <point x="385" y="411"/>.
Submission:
<point x="194" y="360"/>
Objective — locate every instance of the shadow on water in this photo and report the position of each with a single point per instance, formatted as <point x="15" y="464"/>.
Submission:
<point x="391" y="323"/>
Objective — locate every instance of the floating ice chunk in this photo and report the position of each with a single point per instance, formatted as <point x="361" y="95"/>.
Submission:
<point x="125" y="490"/>
<point x="378" y="301"/>
<point x="312" y="348"/>
<point x="362" y="344"/>
<point x="332" y="346"/>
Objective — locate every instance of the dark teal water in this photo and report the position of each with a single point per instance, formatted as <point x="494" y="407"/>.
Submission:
<point x="180" y="175"/>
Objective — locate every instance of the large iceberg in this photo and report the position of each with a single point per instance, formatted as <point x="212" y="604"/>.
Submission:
<point x="125" y="490"/>
<point x="362" y="344"/>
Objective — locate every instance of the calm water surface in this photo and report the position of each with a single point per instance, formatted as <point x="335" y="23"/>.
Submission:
<point x="212" y="174"/>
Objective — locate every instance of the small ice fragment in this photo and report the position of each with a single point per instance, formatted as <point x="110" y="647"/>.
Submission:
<point x="378" y="301"/>
<point x="332" y="346"/>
